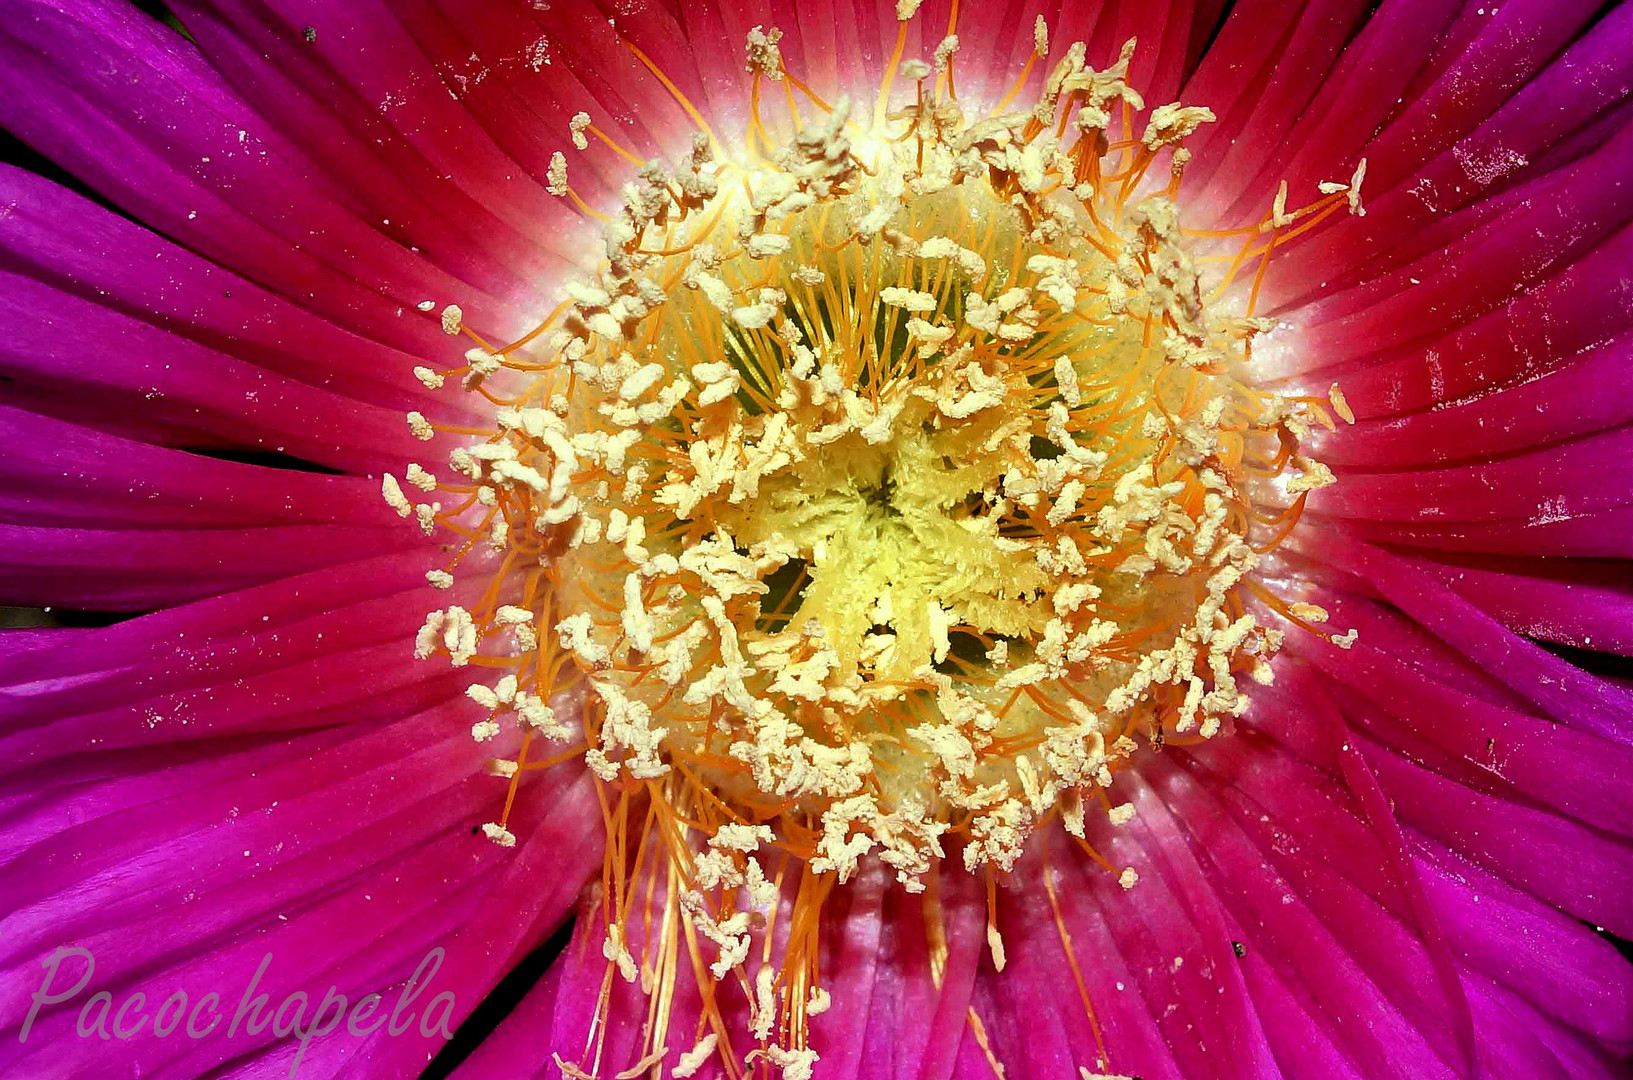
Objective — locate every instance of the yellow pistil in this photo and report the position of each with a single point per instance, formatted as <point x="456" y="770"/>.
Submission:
<point x="882" y="492"/>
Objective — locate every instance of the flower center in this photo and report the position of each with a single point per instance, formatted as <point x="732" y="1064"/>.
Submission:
<point x="886" y="488"/>
<point x="906" y="486"/>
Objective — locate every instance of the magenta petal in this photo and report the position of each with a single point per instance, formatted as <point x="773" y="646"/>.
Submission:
<point x="511" y="1052"/>
<point x="1127" y="1018"/>
<point x="1175" y="942"/>
<point x="1431" y="160"/>
<point x="372" y="919"/>
<point x="123" y="570"/>
<point x="1572" y="608"/>
<point x="255" y="207"/>
<point x="395" y="71"/>
<point x="1518" y="39"/>
<point x="223" y="638"/>
<point x="1492" y="926"/>
<point x="1249" y="128"/>
<point x="1558" y="964"/>
<point x="1570" y="695"/>
<point x="1372" y="1030"/>
<point x="1570" y="866"/>
<point x="1468" y="810"/>
<point x="909" y="1027"/>
<point x="56" y="888"/>
<point x="1381" y="319"/>
<point x="1468" y="261"/>
<point x="1359" y="94"/>
<point x="1605" y="534"/>
<point x="307" y="94"/>
<point x="563" y="843"/>
<point x="14" y="640"/>
<point x="1304" y="1050"/>
<point x="1546" y="481"/>
<point x="61" y="238"/>
<point x="1241" y="60"/>
<point x="1513" y="342"/>
<point x="62" y="474"/>
<point x="1593" y="395"/>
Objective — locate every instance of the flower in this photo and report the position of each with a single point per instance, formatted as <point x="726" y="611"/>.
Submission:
<point x="953" y="551"/>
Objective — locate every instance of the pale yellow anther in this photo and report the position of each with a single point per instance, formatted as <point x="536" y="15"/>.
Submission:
<point x="1278" y="209"/>
<point x="1340" y="405"/>
<point x="614" y="948"/>
<point x="695" y="1058"/>
<point x="575" y="128"/>
<point x="417" y="476"/>
<point x="1310" y="613"/>
<point x="1311" y="475"/>
<point x="1169" y="124"/>
<point x="555" y="175"/>
<point x="920" y="303"/>
<point x="1066" y="380"/>
<point x="764" y="56"/>
<point x="767" y="245"/>
<point x="942" y="247"/>
<point x="393" y="493"/>
<point x="499" y="834"/>
<point x="796" y="1063"/>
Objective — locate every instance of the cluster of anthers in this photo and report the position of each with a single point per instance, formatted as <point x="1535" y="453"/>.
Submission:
<point x="880" y="494"/>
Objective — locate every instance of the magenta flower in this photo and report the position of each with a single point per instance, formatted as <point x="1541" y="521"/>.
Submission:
<point x="941" y="543"/>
